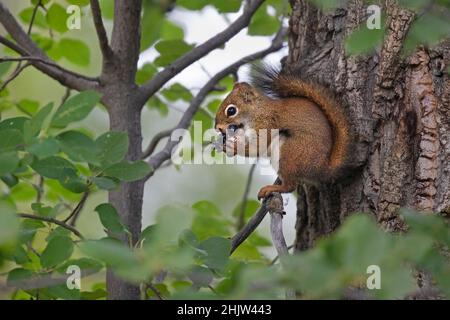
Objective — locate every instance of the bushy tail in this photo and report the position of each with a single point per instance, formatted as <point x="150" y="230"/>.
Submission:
<point x="277" y="84"/>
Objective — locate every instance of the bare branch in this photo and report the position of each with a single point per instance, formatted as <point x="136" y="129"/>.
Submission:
<point x="73" y="216"/>
<point x="156" y="160"/>
<point x="154" y="142"/>
<point x="241" y="221"/>
<point x="14" y="75"/>
<point x="100" y="28"/>
<point x="276" y="210"/>
<point x="153" y="85"/>
<point x="26" y="47"/>
<point x="47" y="62"/>
<point x="52" y="220"/>
<point x="253" y="223"/>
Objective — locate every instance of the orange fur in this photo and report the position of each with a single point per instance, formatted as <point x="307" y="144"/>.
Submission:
<point x="316" y="137"/>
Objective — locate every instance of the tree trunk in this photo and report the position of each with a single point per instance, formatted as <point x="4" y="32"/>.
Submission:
<point x="125" y="116"/>
<point x="401" y="114"/>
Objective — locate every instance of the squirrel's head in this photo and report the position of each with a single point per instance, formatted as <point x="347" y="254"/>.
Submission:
<point x="238" y="108"/>
<point x="237" y="111"/>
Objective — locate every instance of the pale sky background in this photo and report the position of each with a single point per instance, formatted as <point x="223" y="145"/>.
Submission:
<point x="222" y="184"/>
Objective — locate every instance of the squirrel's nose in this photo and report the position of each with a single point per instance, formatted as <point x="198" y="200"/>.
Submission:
<point x="221" y="127"/>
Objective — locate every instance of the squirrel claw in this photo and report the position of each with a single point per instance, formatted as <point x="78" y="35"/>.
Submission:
<point x="264" y="193"/>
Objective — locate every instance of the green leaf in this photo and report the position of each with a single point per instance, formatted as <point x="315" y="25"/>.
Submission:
<point x="57" y="17"/>
<point x="54" y="168"/>
<point x="43" y="148"/>
<point x="13" y="123"/>
<point x="76" y="51"/>
<point x="177" y="91"/>
<point x="4" y="67"/>
<point x="193" y="4"/>
<point x="172" y="220"/>
<point x="170" y="50"/>
<point x="201" y="276"/>
<point x="128" y="171"/>
<point x="58" y="250"/>
<point x="110" y="218"/>
<point x="218" y="250"/>
<point x="28" y="107"/>
<point x="262" y="23"/>
<point x="171" y="30"/>
<point x="364" y="40"/>
<point x="429" y="30"/>
<point x="78" y="146"/>
<point x="33" y="127"/>
<point x="155" y="103"/>
<point x="16" y="276"/>
<point x="209" y="221"/>
<point x="227" y="6"/>
<point x="80" y="3"/>
<point x="75" y="108"/>
<point x="8" y="162"/>
<point x="39" y="19"/>
<point x="107" y="8"/>
<point x="11" y="140"/>
<point x="105" y="183"/>
<point x="112" y="148"/>
<point x="151" y="24"/>
<point x="145" y="73"/>
<point x="9" y="225"/>
<point x="110" y="251"/>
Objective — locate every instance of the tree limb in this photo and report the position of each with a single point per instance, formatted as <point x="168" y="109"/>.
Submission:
<point x="125" y="39"/>
<point x="241" y="218"/>
<point x="156" y="160"/>
<point x="253" y="223"/>
<point x="276" y="211"/>
<point x="47" y="62"/>
<point x="52" y="220"/>
<point x="101" y="32"/>
<point x="14" y="75"/>
<point x="154" y="142"/>
<point x="26" y="47"/>
<point x="154" y="84"/>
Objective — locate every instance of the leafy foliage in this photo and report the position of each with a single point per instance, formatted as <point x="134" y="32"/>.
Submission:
<point x="50" y="164"/>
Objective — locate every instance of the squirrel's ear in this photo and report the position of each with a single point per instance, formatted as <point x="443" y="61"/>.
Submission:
<point x="247" y="91"/>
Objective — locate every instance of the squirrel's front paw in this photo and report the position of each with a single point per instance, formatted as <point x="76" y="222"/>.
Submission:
<point x="265" y="192"/>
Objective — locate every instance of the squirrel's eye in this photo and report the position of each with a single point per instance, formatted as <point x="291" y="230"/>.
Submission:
<point x="231" y="110"/>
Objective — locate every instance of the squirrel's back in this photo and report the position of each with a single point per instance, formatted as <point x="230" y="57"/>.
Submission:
<point x="284" y="85"/>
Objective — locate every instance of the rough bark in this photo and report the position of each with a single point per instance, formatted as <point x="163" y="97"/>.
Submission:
<point x="400" y="109"/>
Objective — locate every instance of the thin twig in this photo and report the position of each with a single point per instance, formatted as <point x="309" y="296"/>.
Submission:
<point x="73" y="216"/>
<point x="252" y="224"/>
<point x="47" y="62"/>
<point x="100" y="28"/>
<point x="156" y="160"/>
<point x="27" y="47"/>
<point x="154" y="142"/>
<point x="155" y="291"/>
<point x="14" y="75"/>
<point x="274" y="260"/>
<point x="33" y="16"/>
<point x="39" y="189"/>
<point x="241" y="219"/>
<point x="52" y="220"/>
<point x="156" y="83"/>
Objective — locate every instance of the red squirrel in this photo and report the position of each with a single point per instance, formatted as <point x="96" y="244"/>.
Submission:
<point x="313" y="129"/>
